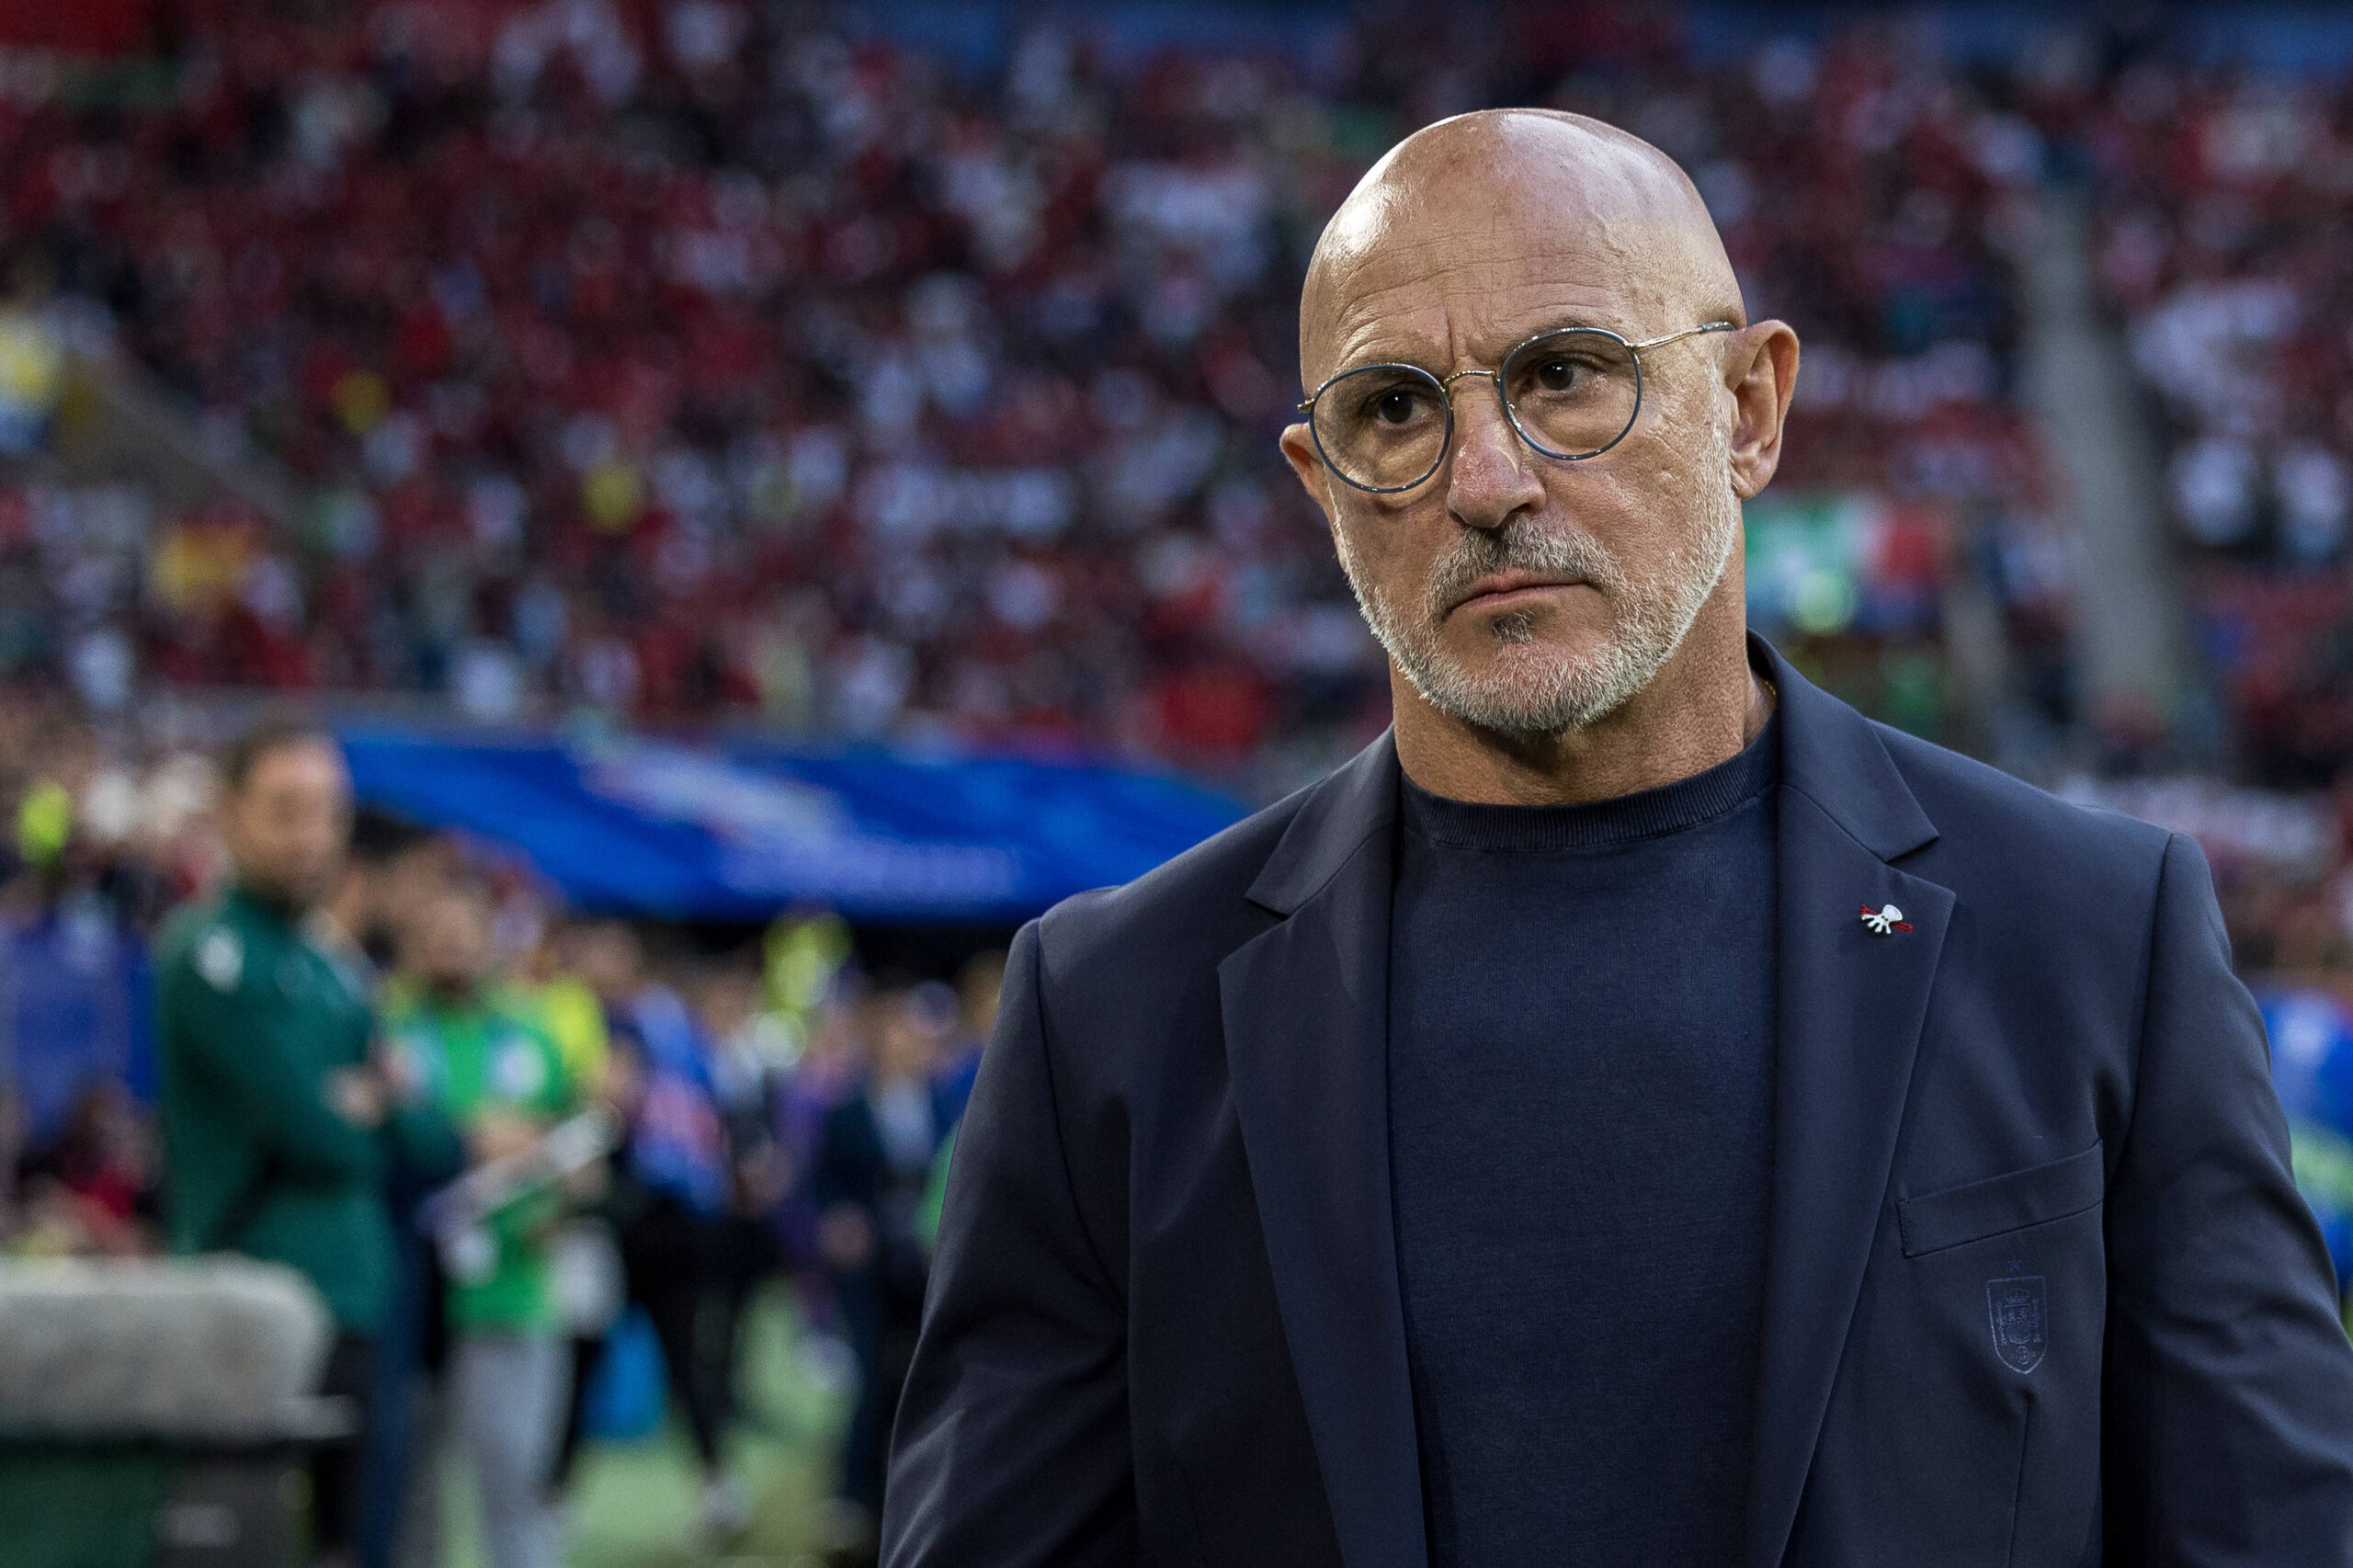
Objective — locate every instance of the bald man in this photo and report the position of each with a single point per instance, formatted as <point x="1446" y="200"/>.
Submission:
<point x="1639" y="1111"/>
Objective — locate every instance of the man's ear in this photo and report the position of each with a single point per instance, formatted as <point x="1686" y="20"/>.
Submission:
<point x="1762" y="371"/>
<point x="1307" y="463"/>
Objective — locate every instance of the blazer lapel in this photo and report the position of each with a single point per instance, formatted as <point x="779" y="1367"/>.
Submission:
<point x="1305" y="1008"/>
<point x="1852" y="1006"/>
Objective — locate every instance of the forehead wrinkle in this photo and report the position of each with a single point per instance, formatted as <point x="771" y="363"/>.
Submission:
<point x="1480" y="318"/>
<point x="1490" y="301"/>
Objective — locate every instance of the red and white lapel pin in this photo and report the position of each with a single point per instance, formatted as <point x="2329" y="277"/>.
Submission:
<point x="1885" y="922"/>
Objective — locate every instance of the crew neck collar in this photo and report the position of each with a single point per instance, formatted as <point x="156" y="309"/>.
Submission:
<point x="1671" y="808"/>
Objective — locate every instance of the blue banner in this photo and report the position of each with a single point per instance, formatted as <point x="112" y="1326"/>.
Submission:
<point x="650" y="827"/>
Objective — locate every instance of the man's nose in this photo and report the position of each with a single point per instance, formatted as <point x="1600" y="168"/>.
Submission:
<point x="1492" y="478"/>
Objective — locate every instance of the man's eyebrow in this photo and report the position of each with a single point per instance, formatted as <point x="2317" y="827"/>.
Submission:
<point x="1371" y="358"/>
<point x="1568" y="321"/>
<point x="1368" y="350"/>
<point x="1572" y="321"/>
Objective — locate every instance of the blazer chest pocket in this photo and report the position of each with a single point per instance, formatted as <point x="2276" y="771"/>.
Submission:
<point x="1958" y="1215"/>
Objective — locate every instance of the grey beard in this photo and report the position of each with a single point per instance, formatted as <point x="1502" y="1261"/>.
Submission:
<point x="1524" y="695"/>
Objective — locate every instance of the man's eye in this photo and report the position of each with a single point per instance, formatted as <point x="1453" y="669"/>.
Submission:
<point x="1395" y="406"/>
<point x="1557" y="374"/>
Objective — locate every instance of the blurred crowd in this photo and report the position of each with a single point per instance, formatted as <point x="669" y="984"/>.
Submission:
<point x="670" y="359"/>
<point x="592" y="1132"/>
<point x="2226" y="196"/>
<point x="695" y="359"/>
<point x="713" y="357"/>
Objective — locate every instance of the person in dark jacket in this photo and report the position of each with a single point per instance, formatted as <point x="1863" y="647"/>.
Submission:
<point x="672" y="1182"/>
<point x="873" y="1167"/>
<point x="1639" y="1110"/>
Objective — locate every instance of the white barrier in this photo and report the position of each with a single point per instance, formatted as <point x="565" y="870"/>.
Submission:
<point x="203" y="1349"/>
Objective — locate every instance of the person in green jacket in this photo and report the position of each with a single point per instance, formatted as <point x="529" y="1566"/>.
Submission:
<point x="484" y="1058"/>
<point x="278" y="1119"/>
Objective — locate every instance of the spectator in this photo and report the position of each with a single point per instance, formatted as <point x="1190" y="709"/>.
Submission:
<point x="873" y="1168"/>
<point x="483" y="1059"/>
<point x="978" y="984"/>
<point x="277" y="1117"/>
<point x="831" y="1061"/>
<point x="588" y="1267"/>
<point x="750" y="1055"/>
<point x="400" y="1516"/>
<point x="672" y="1184"/>
<point x="569" y="1010"/>
<point x="79" y="1006"/>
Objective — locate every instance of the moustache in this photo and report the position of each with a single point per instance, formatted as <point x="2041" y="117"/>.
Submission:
<point x="1570" y="555"/>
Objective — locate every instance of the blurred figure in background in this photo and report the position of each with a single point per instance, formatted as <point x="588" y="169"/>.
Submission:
<point x="90" y="1187"/>
<point x="277" y="1114"/>
<point x="588" y="1259"/>
<point x="568" y="1008"/>
<point x="979" y="987"/>
<point x="751" y="1054"/>
<point x="978" y="984"/>
<point x="672" y="1182"/>
<point x="77" y="998"/>
<point x="829" y="1063"/>
<point x="483" y="1058"/>
<point x="579" y="965"/>
<point x="829" y="1067"/>
<point x="873" y="1170"/>
<point x="401" y="1443"/>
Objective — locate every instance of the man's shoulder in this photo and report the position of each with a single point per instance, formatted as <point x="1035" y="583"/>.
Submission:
<point x="1987" y="818"/>
<point x="1187" y="911"/>
<point x="180" y="928"/>
<point x="206" y="939"/>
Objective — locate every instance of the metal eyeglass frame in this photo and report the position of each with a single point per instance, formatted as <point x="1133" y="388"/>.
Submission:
<point x="1446" y="398"/>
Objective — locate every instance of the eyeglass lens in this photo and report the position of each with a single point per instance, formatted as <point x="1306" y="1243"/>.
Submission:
<point x="1572" y="393"/>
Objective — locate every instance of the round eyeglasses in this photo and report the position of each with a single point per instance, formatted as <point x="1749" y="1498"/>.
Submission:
<point x="1571" y="393"/>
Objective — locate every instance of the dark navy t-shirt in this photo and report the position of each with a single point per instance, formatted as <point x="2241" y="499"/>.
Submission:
<point x="1580" y="1119"/>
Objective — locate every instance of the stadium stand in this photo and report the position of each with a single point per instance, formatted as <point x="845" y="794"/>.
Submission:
<point x="678" y="360"/>
<point x="2225" y="202"/>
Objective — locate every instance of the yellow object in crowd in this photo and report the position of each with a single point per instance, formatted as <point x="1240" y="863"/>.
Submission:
<point x="44" y="822"/>
<point x="803" y="954"/>
<point x="614" y="494"/>
<point x="574" y="1020"/>
<point x="32" y="365"/>
<point x="362" y="399"/>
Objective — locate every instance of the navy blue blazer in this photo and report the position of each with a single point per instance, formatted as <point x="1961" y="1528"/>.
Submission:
<point x="2039" y="1289"/>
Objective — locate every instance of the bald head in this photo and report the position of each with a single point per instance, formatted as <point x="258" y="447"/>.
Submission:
<point x="1523" y="210"/>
